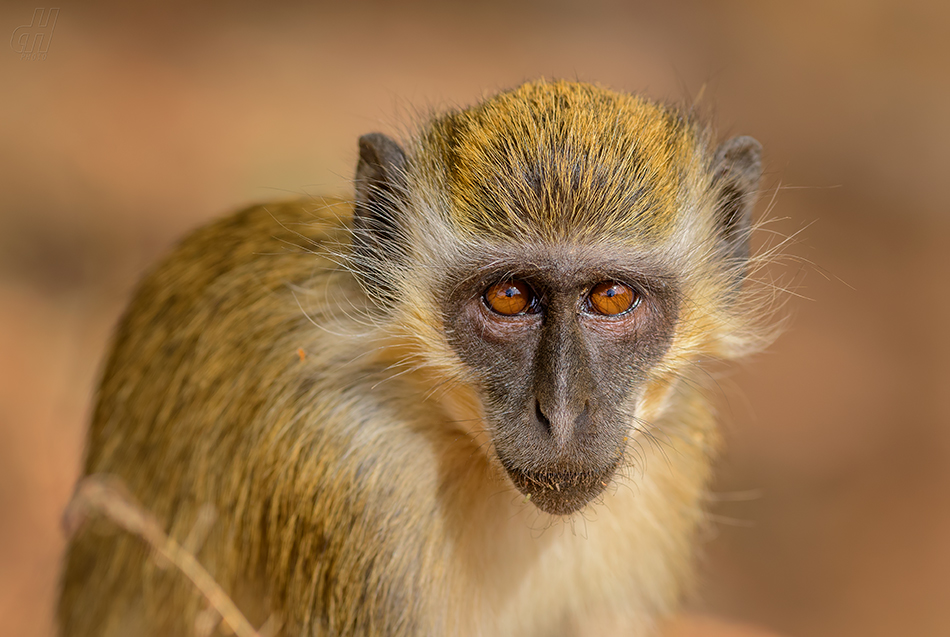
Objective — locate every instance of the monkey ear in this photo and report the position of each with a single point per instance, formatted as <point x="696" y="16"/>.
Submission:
<point x="380" y="195"/>
<point x="737" y="169"/>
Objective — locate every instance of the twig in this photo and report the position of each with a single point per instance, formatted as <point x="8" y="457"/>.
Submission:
<point x="107" y="496"/>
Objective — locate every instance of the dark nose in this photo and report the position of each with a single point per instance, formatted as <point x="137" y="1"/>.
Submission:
<point x="563" y="422"/>
<point x="562" y="377"/>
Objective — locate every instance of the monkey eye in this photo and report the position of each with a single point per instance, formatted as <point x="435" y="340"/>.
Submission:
<point x="611" y="298"/>
<point x="510" y="297"/>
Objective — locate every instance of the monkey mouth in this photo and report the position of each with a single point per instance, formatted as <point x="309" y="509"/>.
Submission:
<point x="561" y="492"/>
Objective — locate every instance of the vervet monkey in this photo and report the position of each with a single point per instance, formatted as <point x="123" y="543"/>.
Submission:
<point x="469" y="402"/>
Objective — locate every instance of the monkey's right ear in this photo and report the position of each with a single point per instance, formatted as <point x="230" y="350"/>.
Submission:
<point x="737" y="168"/>
<point x="380" y="198"/>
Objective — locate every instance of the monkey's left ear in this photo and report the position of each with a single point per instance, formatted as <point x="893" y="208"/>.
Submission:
<point x="737" y="169"/>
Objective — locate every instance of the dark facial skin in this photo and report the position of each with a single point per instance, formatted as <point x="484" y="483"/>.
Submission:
<point x="559" y="381"/>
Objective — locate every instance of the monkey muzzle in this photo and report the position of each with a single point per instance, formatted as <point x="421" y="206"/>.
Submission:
<point x="561" y="492"/>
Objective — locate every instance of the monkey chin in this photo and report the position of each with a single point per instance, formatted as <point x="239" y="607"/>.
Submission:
<point x="561" y="492"/>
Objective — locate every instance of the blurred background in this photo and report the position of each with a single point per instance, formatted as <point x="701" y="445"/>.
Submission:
<point x="833" y="501"/>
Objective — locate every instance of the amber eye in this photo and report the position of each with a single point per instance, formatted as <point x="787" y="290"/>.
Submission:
<point x="509" y="297"/>
<point x="611" y="298"/>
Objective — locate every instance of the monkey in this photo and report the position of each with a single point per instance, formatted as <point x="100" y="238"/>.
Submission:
<point x="470" y="401"/>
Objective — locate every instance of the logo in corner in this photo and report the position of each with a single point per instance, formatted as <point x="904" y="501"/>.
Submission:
<point x="31" y="41"/>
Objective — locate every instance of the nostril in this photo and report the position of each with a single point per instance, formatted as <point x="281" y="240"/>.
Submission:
<point x="583" y="421"/>
<point x="541" y="417"/>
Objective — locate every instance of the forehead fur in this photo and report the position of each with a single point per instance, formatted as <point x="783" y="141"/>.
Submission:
<point x="565" y="160"/>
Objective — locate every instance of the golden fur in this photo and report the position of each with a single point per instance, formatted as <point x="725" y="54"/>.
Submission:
<point x="354" y="486"/>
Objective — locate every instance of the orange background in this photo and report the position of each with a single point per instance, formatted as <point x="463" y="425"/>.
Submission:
<point x="833" y="505"/>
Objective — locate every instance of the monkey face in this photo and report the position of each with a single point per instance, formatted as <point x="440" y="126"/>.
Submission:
<point x="561" y="341"/>
<point x="570" y="222"/>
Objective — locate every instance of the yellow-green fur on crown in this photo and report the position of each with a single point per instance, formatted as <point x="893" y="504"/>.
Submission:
<point x="574" y="159"/>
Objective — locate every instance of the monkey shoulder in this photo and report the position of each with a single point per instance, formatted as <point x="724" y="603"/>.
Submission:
<point x="274" y="241"/>
<point x="228" y="311"/>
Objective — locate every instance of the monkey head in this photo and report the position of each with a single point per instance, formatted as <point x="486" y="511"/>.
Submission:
<point x="568" y="252"/>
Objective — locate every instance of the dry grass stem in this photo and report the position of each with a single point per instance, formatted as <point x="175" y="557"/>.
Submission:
<point x="107" y="496"/>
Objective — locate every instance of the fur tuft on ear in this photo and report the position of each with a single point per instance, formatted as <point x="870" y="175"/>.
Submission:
<point x="737" y="169"/>
<point x="380" y="197"/>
